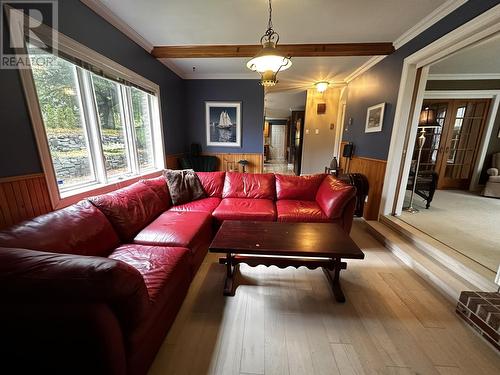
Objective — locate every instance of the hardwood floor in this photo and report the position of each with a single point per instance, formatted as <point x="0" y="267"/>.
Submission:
<point x="287" y="322"/>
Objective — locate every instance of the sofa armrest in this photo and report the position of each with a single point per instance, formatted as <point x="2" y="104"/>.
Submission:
<point x="333" y="196"/>
<point x="42" y="277"/>
<point x="492" y="172"/>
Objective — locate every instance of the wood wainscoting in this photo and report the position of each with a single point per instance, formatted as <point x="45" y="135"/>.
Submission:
<point x="229" y="162"/>
<point x="374" y="170"/>
<point x="22" y="198"/>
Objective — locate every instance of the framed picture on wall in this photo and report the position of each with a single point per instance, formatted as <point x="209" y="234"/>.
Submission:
<point x="223" y="123"/>
<point x="374" y="118"/>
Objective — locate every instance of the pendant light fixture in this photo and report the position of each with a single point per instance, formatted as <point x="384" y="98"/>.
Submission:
<point x="268" y="61"/>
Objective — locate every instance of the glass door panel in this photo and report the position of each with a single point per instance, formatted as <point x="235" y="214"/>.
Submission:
<point x="430" y="151"/>
<point x="462" y="141"/>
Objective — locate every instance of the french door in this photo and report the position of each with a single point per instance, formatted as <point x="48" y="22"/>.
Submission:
<point x="451" y="149"/>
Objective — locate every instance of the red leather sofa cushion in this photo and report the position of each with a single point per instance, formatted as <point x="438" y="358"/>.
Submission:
<point x="183" y="229"/>
<point x="333" y="195"/>
<point x="212" y="182"/>
<point x="129" y="209"/>
<point x="302" y="188"/>
<point x="300" y="211"/>
<point x="159" y="186"/>
<point x="245" y="209"/>
<point x="37" y="276"/>
<point x="78" y="229"/>
<point x="156" y="264"/>
<point x="167" y="275"/>
<point x="207" y="205"/>
<point x="249" y="185"/>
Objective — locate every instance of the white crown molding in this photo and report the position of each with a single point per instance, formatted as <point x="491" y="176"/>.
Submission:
<point x="432" y="18"/>
<point x="174" y="68"/>
<point x="461" y="77"/>
<point x="461" y="94"/>
<point x="363" y="68"/>
<point x="106" y="13"/>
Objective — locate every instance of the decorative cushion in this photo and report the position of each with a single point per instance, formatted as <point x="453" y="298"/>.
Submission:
<point x="159" y="186"/>
<point x="212" y="182"/>
<point x="298" y="187"/>
<point x="300" y="211"/>
<point x="207" y="205"/>
<point x="129" y="209"/>
<point x="78" y="229"/>
<point x="184" y="186"/>
<point x="249" y="185"/>
<point x="245" y="209"/>
<point x="160" y="267"/>
<point x="333" y="195"/>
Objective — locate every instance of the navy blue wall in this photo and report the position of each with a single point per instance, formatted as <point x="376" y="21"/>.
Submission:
<point x="18" y="152"/>
<point x="248" y="91"/>
<point x="381" y="83"/>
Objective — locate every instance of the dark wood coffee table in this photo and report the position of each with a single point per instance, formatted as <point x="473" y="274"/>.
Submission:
<point x="311" y="245"/>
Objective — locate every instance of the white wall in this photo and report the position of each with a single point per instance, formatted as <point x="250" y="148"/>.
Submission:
<point x="319" y="137"/>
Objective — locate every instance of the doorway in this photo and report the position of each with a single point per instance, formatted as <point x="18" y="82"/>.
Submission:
<point x="451" y="148"/>
<point x="283" y="131"/>
<point x="438" y="195"/>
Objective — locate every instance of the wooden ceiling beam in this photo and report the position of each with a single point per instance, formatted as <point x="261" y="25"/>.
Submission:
<point x="293" y="50"/>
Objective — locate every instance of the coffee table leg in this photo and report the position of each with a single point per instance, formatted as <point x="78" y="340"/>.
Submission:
<point x="229" y="287"/>
<point x="338" y="265"/>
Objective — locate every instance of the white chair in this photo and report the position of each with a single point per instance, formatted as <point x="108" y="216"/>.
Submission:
<point x="492" y="188"/>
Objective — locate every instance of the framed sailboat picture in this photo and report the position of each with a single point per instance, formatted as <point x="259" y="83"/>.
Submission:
<point x="223" y="123"/>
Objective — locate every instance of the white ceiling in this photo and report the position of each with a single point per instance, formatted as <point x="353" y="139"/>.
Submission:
<point x="188" y="22"/>
<point x="482" y="58"/>
<point x="304" y="69"/>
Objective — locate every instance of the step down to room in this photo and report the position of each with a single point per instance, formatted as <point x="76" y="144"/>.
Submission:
<point x="449" y="276"/>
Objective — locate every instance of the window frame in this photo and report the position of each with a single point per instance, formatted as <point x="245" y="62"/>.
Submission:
<point x="103" y="184"/>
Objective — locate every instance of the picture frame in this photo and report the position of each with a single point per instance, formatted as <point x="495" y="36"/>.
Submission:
<point x="375" y="118"/>
<point x="223" y="123"/>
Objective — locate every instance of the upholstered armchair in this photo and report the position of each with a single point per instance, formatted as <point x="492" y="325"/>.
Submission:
<point x="492" y="188"/>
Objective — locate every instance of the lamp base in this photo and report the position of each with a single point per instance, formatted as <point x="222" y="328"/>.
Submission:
<point x="410" y="209"/>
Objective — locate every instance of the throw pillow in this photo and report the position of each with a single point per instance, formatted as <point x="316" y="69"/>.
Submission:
<point x="184" y="186"/>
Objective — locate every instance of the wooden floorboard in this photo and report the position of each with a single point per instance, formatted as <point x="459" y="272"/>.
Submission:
<point x="286" y="322"/>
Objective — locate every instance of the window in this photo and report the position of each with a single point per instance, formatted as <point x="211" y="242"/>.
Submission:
<point x="99" y="130"/>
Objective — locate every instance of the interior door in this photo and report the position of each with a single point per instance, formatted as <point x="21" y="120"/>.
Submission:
<point x="451" y="149"/>
<point x="277" y="142"/>
<point x="460" y="142"/>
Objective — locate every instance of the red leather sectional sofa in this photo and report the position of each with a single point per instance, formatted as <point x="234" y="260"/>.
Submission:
<point x="94" y="287"/>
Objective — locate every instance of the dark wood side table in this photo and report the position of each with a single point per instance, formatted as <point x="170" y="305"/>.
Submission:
<point x="311" y="245"/>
